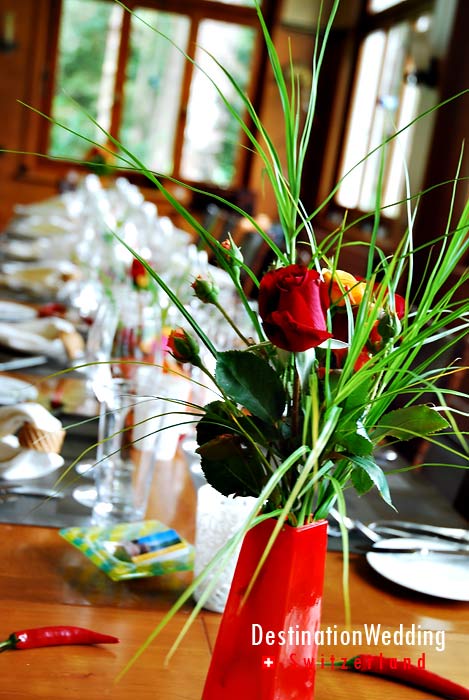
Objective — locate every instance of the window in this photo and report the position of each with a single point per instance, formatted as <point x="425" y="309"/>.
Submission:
<point x="380" y="5"/>
<point x="137" y="84"/>
<point x="394" y="83"/>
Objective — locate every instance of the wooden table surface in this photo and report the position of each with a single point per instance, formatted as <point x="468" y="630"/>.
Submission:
<point x="45" y="581"/>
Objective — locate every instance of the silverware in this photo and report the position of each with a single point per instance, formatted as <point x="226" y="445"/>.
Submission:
<point x="22" y="362"/>
<point x="35" y="491"/>
<point x="351" y="524"/>
<point x="422" y="550"/>
<point x="398" y="528"/>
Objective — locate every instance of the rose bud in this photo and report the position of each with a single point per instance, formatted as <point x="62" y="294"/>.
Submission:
<point x="234" y="254"/>
<point x="205" y="290"/>
<point x="291" y="308"/>
<point x="139" y="275"/>
<point x="386" y="328"/>
<point x="183" y="347"/>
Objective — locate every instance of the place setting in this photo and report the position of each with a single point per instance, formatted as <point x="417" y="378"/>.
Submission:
<point x="31" y="441"/>
<point x="420" y="557"/>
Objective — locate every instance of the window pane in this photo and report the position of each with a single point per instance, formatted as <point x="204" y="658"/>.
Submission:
<point x="380" y="5"/>
<point x="153" y="87"/>
<point x="387" y="97"/>
<point x="409" y="108"/>
<point x="245" y="3"/>
<point x="87" y="58"/>
<point x="360" y="130"/>
<point x="384" y="115"/>
<point x="212" y="134"/>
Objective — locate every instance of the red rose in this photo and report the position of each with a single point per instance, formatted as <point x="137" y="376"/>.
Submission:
<point x="399" y="305"/>
<point x="291" y="309"/>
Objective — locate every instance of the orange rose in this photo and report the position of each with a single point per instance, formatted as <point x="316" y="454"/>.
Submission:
<point x="342" y="284"/>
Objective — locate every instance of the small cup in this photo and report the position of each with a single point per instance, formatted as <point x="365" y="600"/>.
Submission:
<point x="218" y="518"/>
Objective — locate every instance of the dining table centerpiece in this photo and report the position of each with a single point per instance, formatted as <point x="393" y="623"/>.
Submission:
<point x="324" y="368"/>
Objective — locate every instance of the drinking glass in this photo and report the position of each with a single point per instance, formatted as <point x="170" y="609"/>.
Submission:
<point x="128" y="430"/>
<point x="124" y="339"/>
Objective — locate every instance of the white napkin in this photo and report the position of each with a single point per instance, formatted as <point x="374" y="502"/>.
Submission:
<point x="38" y="279"/>
<point x="13" y="417"/>
<point x="25" y="251"/>
<point x="17" y="463"/>
<point x="41" y="335"/>
<point x="40" y="249"/>
<point x="51" y="205"/>
<point x="39" y="226"/>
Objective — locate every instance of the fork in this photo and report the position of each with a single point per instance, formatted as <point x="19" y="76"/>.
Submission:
<point x="7" y="490"/>
<point x="353" y="524"/>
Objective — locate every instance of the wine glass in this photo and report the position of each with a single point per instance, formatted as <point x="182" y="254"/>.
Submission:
<point x="124" y="337"/>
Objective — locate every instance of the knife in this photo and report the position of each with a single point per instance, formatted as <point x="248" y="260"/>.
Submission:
<point x="37" y="491"/>
<point x="422" y="550"/>
<point x="399" y="527"/>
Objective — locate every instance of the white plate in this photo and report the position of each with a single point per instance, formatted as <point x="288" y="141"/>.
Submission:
<point x="18" y="464"/>
<point x="15" y="391"/>
<point x="434" y="574"/>
<point x="11" y="311"/>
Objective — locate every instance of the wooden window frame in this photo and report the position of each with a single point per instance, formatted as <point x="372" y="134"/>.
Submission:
<point x="367" y="23"/>
<point x="37" y="168"/>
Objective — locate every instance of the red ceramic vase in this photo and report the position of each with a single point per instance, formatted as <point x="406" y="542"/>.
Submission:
<point x="265" y="649"/>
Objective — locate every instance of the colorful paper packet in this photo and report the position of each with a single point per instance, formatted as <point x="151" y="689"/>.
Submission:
<point x="132" y="550"/>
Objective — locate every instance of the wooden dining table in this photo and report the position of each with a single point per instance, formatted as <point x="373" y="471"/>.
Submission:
<point x="45" y="581"/>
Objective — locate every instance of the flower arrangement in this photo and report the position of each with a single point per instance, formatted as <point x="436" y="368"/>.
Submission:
<point x="309" y="379"/>
<point x="308" y="392"/>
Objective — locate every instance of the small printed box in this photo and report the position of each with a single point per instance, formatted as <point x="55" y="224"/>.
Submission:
<point x="132" y="550"/>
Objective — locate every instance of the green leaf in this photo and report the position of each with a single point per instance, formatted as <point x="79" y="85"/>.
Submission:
<point x="221" y="418"/>
<point x="230" y="462"/>
<point x="355" y="441"/>
<point x="232" y="466"/>
<point x="361" y="481"/>
<point x="358" y="397"/>
<point x="366" y="474"/>
<point x="218" y="419"/>
<point x="250" y="381"/>
<point x="409" y="422"/>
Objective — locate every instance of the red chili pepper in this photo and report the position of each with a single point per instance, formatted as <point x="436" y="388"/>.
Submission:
<point x="407" y="673"/>
<point x="54" y="636"/>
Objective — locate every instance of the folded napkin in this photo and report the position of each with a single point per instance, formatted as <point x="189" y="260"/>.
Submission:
<point x="17" y="463"/>
<point x="35" y="226"/>
<point x="12" y="418"/>
<point x="25" y="251"/>
<point x="38" y="279"/>
<point x="33" y="251"/>
<point x="51" y="336"/>
<point x="33" y="451"/>
<point x="55" y="204"/>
